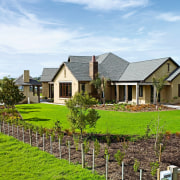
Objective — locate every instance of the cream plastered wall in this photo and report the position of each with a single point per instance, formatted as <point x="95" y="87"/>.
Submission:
<point x="45" y="89"/>
<point x="109" y="92"/>
<point x="27" y="93"/>
<point x="166" y="94"/>
<point x="162" y="71"/>
<point x="146" y="98"/>
<point x="64" y="75"/>
<point x="174" y="90"/>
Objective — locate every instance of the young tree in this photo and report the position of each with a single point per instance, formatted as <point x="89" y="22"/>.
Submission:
<point x="9" y="93"/>
<point x="159" y="84"/>
<point x="81" y="115"/>
<point x="100" y="84"/>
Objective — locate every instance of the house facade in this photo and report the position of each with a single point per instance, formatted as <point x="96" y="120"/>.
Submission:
<point x="128" y="82"/>
<point x="29" y="87"/>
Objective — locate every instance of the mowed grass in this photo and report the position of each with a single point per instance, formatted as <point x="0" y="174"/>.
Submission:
<point x="111" y="121"/>
<point x="21" y="161"/>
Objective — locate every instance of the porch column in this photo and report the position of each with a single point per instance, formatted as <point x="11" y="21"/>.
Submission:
<point x="154" y="95"/>
<point x="126" y="93"/>
<point x="137" y="94"/>
<point x="38" y="93"/>
<point x="49" y="90"/>
<point x="117" y="93"/>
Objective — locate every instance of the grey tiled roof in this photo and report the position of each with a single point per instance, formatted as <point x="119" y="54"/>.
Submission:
<point x="20" y="81"/>
<point x="79" y="70"/>
<point x="109" y="66"/>
<point x="174" y="74"/>
<point x="48" y="74"/>
<point x="139" y="71"/>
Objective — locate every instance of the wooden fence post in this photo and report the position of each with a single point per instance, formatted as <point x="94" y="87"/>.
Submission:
<point x="12" y="130"/>
<point x="83" y="157"/>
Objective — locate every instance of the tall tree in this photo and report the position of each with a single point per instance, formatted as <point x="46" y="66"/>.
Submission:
<point x="81" y="115"/>
<point x="9" y="93"/>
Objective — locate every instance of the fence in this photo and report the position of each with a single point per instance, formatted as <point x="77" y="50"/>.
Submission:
<point x="35" y="139"/>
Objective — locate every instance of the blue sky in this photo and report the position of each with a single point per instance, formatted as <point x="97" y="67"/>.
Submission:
<point x="43" y="33"/>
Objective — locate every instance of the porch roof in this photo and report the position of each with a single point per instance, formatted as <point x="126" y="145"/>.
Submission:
<point x="32" y="82"/>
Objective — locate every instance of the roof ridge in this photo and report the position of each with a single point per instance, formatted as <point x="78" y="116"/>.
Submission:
<point x="150" y="60"/>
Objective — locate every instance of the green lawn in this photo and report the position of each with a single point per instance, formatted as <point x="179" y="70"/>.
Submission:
<point x="21" y="161"/>
<point x="115" y="122"/>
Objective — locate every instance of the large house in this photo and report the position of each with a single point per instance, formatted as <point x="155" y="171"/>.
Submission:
<point x="129" y="82"/>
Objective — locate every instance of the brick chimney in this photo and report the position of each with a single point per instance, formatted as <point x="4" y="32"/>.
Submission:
<point x="93" y="68"/>
<point x="26" y="76"/>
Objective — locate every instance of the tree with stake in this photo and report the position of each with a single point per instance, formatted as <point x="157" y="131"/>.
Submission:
<point x="81" y="115"/>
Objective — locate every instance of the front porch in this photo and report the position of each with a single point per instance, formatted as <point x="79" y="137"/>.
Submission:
<point x="135" y="93"/>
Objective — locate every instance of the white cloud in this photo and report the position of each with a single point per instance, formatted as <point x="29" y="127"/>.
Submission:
<point x="125" y="16"/>
<point x="108" y="4"/>
<point x="169" y="17"/>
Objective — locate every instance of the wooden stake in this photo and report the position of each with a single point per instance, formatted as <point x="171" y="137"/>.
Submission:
<point x="69" y="147"/>
<point x="106" y="167"/>
<point x="23" y="133"/>
<point x="17" y="132"/>
<point x="50" y="145"/>
<point x="122" y="170"/>
<point x="36" y="139"/>
<point x="59" y="148"/>
<point x="12" y="130"/>
<point x="82" y="154"/>
<point x="43" y="143"/>
<point x="140" y="174"/>
<point x="93" y="160"/>
<point x="8" y="129"/>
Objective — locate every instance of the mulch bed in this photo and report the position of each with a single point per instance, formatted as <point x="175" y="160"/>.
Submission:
<point x="132" y="108"/>
<point x="142" y="150"/>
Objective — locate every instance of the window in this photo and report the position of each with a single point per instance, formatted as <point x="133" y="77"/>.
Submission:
<point x="65" y="90"/>
<point x="141" y="91"/>
<point x="83" y="87"/>
<point x="178" y="90"/>
<point x="168" y="67"/>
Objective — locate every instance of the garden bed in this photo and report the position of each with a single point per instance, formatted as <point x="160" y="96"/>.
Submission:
<point x="132" y="108"/>
<point x="142" y="150"/>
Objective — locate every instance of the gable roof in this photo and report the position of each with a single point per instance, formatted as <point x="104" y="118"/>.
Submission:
<point x="139" y="71"/>
<point x="173" y="74"/>
<point x="48" y="74"/>
<point x="20" y="81"/>
<point x="109" y="66"/>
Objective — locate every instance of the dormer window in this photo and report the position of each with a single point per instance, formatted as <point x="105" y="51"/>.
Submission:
<point x="168" y="67"/>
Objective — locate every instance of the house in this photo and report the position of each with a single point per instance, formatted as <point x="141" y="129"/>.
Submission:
<point x="29" y="86"/>
<point x="129" y="82"/>
<point x="47" y="83"/>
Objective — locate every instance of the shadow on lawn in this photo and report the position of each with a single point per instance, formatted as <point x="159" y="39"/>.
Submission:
<point x="29" y="107"/>
<point x="36" y="119"/>
<point x="27" y="112"/>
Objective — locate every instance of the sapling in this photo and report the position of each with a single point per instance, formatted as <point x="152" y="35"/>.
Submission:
<point x="154" y="166"/>
<point x="119" y="156"/>
<point x="106" y="153"/>
<point x="136" y="165"/>
<point x="96" y="147"/>
<point x="76" y="142"/>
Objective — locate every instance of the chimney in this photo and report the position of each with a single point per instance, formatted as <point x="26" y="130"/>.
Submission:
<point x="93" y="68"/>
<point x="26" y="76"/>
